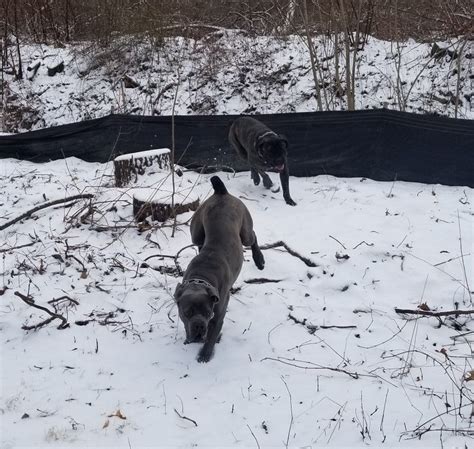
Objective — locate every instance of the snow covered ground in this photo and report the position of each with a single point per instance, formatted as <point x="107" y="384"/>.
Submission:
<point x="228" y="72"/>
<point x="319" y="358"/>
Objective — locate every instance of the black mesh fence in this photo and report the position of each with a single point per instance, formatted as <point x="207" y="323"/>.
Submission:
<point x="378" y="144"/>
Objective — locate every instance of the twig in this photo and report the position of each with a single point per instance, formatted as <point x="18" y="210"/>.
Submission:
<point x="439" y="269"/>
<point x="254" y="437"/>
<point x="383" y="415"/>
<point x="334" y="238"/>
<point x="34" y="327"/>
<point x="420" y="429"/>
<point x="4" y="250"/>
<point x="30" y="301"/>
<point x="178" y="271"/>
<point x="185" y="417"/>
<point x="296" y="320"/>
<point x="62" y="298"/>
<point x="312" y="328"/>
<point x="291" y="412"/>
<point x="307" y="261"/>
<point x="43" y="206"/>
<point x="363" y="242"/>
<point x="462" y="260"/>
<point x="446" y="261"/>
<point x="313" y="366"/>
<point x="432" y="313"/>
<point x="262" y="281"/>
<point x="162" y="269"/>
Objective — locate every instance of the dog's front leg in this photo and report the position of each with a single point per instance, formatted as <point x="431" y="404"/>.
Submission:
<point x="267" y="182"/>
<point x="255" y="176"/>
<point x="213" y="333"/>
<point x="285" y="184"/>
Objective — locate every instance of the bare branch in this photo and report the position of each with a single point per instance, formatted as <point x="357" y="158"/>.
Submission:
<point x="432" y="313"/>
<point x="30" y="301"/>
<point x="307" y="261"/>
<point x="43" y="206"/>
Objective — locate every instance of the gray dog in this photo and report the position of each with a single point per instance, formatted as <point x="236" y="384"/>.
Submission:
<point x="219" y="228"/>
<point x="264" y="150"/>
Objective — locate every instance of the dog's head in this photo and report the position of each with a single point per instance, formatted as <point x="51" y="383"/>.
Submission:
<point x="196" y="303"/>
<point x="272" y="151"/>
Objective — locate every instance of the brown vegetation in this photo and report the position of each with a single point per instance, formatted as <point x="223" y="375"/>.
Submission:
<point x="61" y="21"/>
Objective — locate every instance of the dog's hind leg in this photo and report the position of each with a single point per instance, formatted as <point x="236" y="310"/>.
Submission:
<point x="197" y="232"/>
<point x="248" y="238"/>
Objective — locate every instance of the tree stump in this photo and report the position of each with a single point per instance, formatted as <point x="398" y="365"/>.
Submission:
<point x="128" y="167"/>
<point x="56" y="67"/>
<point x="129" y="83"/>
<point x="158" y="204"/>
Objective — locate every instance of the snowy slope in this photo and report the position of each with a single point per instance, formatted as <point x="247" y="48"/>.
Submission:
<point x="120" y="376"/>
<point x="230" y="73"/>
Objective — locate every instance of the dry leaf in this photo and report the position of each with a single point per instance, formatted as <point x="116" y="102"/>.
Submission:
<point x="106" y="424"/>
<point x="424" y="306"/>
<point x="469" y="376"/>
<point x="118" y="414"/>
<point x="444" y="352"/>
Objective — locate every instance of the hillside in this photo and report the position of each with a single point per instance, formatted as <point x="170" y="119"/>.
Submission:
<point x="228" y="72"/>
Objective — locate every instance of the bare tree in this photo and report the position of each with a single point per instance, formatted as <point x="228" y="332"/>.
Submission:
<point x="19" y="73"/>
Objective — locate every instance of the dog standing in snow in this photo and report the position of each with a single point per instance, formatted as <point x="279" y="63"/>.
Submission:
<point x="264" y="150"/>
<point x="219" y="228"/>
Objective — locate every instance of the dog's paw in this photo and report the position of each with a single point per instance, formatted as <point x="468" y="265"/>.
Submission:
<point x="290" y="202"/>
<point x="204" y="356"/>
<point x="259" y="261"/>
<point x="255" y="177"/>
<point x="267" y="183"/>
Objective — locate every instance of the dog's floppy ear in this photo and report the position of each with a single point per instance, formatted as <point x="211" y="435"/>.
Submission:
<point x="213" y="294"/>
<point x="259" y="147"/>
<point x="177" y="292"/>
<point x="284" y="140"/>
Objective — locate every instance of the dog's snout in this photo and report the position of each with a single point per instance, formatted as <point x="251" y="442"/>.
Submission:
<point x="198" y="329"/>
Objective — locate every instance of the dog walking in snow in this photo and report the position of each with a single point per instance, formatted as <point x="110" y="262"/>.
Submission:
<point x="264" y="150"/>
<point x="219" y="228"/>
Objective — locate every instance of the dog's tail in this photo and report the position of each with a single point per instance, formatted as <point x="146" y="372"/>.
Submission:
<point x="218" y="185"/>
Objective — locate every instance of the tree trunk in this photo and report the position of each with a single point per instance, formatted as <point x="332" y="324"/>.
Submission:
<point x="19" y="74"/>
<point x="312" y="56"/>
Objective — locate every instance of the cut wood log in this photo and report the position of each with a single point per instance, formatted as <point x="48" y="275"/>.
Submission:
<point x="158" y="205"/>
<point x="32" y="69"/>
<point x="56" y="67"/>
<point x="129" y="167"/>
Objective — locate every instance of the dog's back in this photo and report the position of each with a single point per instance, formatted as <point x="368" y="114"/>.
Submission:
<point x="216" y="229"/>
<point x="243" y="134"/>
<point x="221" y="210"/>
